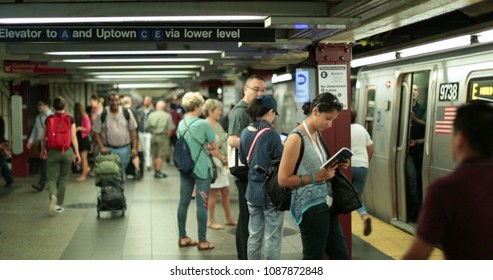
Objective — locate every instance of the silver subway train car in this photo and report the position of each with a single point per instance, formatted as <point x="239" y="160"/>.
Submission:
<point x="408" y="107"/>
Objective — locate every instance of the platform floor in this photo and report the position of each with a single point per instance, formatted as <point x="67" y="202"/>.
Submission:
<point x="148" y="230"/>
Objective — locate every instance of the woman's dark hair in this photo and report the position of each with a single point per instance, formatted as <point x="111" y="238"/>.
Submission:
<point x="353" y="116"/>
<point x="78" y="112"/>
<point x="59" y="103"/>
<point x="256" y="110"/>
<point x="326" y="102"/>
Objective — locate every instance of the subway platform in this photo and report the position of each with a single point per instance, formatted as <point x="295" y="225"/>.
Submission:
<point x="148" y="230"/>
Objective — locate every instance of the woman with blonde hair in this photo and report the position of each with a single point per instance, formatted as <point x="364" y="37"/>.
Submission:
<point x="83" y="128"/>
<point x="212" y="111"/>
<point x="200" y="138"/>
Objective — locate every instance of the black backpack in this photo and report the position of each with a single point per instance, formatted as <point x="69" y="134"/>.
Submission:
<point x="182" y="157"/>
<point x="280" y="197"/>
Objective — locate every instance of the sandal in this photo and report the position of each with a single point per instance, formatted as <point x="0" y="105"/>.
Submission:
<point x="215" y="226"/>
<point x="204" y="245"/>
<point x="80" y="179"/>
<point x="186" y="241"/>
<point x="232" y="223"/>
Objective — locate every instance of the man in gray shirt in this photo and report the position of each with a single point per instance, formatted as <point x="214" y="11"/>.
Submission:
<point x="35" y="139"/>
<point x="115" y="133"/>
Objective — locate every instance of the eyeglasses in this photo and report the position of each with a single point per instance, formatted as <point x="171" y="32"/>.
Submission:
<point x="332" y="103"/>
<point x="257" y="89"/>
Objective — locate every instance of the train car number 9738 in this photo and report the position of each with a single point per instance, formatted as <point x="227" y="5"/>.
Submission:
<point x="448" y="92"/>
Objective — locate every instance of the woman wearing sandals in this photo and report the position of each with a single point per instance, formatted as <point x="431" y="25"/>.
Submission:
<point x="200" y="138"/>
<point x="212" y="111"/>
<point x="83" y="123"/>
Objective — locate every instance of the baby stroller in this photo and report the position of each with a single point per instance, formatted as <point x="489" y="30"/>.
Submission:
<point x="109" y="179"/>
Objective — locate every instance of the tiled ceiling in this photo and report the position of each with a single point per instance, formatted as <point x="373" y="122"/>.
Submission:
<point x="380" y="24"/>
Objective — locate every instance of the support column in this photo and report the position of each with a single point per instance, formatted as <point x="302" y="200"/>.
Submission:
<point x="340" y="134"/>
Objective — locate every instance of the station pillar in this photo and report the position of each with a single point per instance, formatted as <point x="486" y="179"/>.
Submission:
<point x="20" y="162"/>
<point x="339" y="135"/>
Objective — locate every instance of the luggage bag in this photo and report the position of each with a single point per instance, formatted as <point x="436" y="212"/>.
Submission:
<point x="111" y="197"/>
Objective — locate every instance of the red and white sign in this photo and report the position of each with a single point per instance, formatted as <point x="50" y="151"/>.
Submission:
<point x="29" y="67"/>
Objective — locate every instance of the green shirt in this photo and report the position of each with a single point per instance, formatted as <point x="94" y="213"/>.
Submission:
<point x="159" y="122"/>
<point x="199" y="134"/>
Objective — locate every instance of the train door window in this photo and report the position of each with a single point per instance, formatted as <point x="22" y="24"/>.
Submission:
<point x="480" y="89"/>
<point x="370" y="109"/>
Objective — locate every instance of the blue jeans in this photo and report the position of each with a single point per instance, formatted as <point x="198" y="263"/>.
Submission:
<point x="203" y="187"/>
<point x="359" y="179"/>
<point x="124" y="155"/>
<point x="6" y="173"/>
<point x="321" y="234"/>
<point x="264" y="221"/>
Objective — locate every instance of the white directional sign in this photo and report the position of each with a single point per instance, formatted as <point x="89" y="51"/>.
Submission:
<point x="333" y="79"/>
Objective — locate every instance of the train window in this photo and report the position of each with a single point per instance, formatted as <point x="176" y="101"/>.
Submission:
<point x="480" y="89"/>
<point x="370" y="110"/>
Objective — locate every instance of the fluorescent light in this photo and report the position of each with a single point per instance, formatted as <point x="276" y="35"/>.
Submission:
<point x="485" y="37"/>
<point x="128" y="19"/>
<point x="134" y="52"/>
<point x="113" y="60"/>
<point x="144" y="77"/>
<point x="148" y="85"/>
<point x="144" y="73"/>
<point x="437" y="46"/>
<point x="281" y="78"/>
<point x="373" y="59"/>
<point x="181" y="66"/>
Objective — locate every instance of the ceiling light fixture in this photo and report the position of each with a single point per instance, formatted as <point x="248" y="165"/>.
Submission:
<point x="39" y="20"/>
<point x="144" y="77"/>
<point x="147" y="85"/>
<point x="151" y="52"/>
<point x="372" y="59"/>
<point x="281" y="78"/>
<point x="126" y="60"/>
<point x="441" y="45"/>
<point x="181" y="66"/>
<point x="144" y="73"/>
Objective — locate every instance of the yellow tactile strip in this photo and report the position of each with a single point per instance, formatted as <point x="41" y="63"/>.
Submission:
<point x="387" y="238"/>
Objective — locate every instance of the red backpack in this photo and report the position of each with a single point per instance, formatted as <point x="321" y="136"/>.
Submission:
<point x="59" y="132"/>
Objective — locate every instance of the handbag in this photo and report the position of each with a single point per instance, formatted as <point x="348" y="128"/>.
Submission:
<point x="345" y="195"/>
<point x="214" y="170"/>
<point x="6" y="149"/>
<point x="346" y="198"/>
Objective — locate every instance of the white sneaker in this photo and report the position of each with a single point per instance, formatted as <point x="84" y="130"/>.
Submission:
<point x="59" y="209"/>
<point x="53" y="205"/>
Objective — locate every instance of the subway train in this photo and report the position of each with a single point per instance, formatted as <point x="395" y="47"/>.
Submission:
<point x="383" y="98"/>
<point x="382" y="94"/>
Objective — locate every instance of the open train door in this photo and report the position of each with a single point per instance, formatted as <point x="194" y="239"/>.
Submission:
<point x="412" y="98"/>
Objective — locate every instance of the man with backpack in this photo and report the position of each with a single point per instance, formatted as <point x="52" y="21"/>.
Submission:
<point x="116" y="131"/>
<point x="59" y="147"/>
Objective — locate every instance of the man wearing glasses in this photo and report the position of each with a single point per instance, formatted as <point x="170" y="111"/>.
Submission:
<point x="254" y="87"/>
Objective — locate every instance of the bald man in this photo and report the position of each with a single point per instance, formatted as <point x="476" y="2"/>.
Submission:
<point x="160" y="125"/>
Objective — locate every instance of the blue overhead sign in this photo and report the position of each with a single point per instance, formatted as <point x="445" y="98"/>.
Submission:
<point x="135" y="34"/>
<point x="302" y="86"/>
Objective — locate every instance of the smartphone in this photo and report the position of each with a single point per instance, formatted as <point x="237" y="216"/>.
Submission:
<point x="283" y="136"/>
